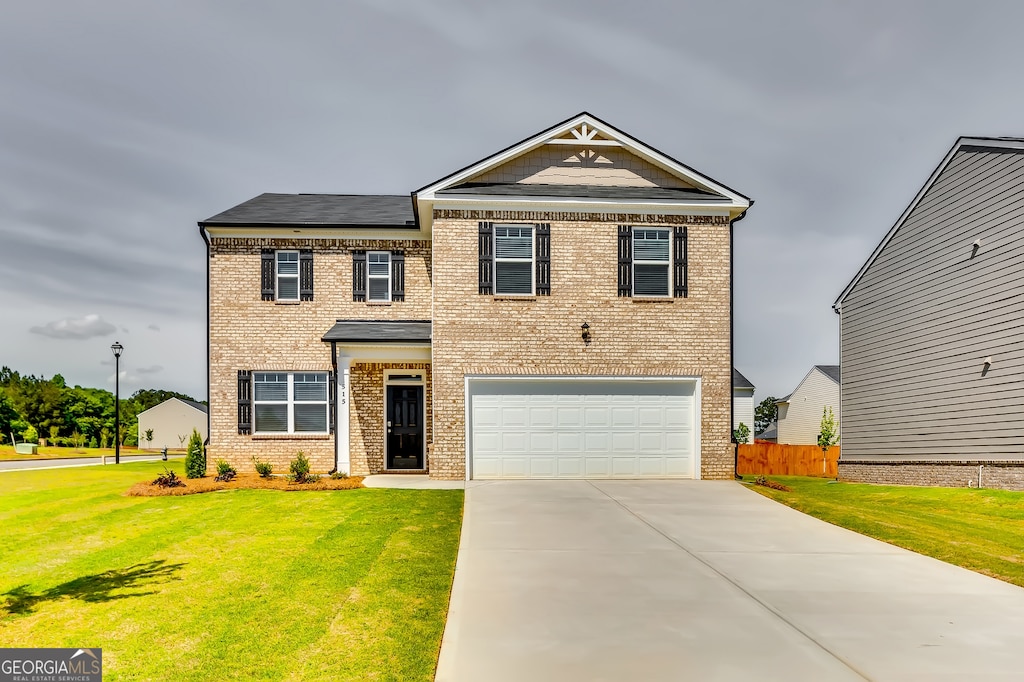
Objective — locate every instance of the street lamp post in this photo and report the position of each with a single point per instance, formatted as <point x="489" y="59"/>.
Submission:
<point x="117" y="348"/>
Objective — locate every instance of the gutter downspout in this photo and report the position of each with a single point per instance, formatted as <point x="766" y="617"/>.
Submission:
<point x="206" y="238"/>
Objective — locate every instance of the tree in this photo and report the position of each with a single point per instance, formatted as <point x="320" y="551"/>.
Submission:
<point x="828" y="436"/>
<point x="741" y="434"/>
<point x="764" y="414"/>
<point x="151" y="397"/>
<point x="149" y="437"/>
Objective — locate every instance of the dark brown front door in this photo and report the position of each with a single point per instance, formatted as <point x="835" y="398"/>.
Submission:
<point x="405" y="427"/>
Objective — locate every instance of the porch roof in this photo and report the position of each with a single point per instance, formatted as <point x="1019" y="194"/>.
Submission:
<point x="403" y="332"/>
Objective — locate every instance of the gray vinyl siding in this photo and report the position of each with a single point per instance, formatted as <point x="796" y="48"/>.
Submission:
<point x="918" y="325"/>
<point x="799" y="422"/>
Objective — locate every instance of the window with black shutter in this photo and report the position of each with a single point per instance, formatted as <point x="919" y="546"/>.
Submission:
<point x="397" y="276"/>
<point x="486" y="255"/>
<point x="244" y="402"/>
<point x="332" y="388"/>
<point x="680" y="274"/>
<point x="267" y="274"/>
<point x="306" y="275"/>
<point x="359" y="275"/>
<point x="625" y="260"/>
<point x="542" y="256"/>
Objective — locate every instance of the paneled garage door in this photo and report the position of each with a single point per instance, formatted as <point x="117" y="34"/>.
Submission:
<point x="579" y="428"/>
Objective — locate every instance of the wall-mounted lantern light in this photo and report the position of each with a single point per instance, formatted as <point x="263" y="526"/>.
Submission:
<point x="586" y="333"/>
<point x="974" y="247"/>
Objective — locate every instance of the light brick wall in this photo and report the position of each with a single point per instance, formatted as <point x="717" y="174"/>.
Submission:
<point x="249" y="333"/>
<point x="367" y="418"/>
<point x="475" y="334"/>
<point x="1002" y="475"/>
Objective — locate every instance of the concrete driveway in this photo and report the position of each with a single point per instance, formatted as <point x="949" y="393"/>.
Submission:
<point x="691" y="580"/>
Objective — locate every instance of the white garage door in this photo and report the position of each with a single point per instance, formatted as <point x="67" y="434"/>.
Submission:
<point x="577" y="428"/>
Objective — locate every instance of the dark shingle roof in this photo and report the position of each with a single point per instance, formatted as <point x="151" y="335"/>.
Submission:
<point x="771" y="432"/>
<point x="740" y="381"/>
<point x="594" y="191"/>
<point x="198" y="406"/>
<point x="343" y="210"/>
<point x="832" y="371"/>
<point x="377" y="331"/>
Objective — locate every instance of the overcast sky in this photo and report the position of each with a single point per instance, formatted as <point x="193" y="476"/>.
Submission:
<point x="124" y="123"/>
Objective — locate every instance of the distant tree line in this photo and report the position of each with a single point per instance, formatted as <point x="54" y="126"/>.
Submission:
<point x="71" y="416"/>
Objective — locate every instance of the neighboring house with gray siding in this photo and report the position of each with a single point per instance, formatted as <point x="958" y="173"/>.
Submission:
<point x="799" y="416"/>
<point x="932" y="351"/>
<point x="742" y="403"/>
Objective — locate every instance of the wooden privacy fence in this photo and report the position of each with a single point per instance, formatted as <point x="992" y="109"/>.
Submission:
<point x="787" y="460"/>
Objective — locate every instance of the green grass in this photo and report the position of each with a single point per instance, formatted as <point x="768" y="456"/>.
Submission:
<point x="242" y="584"/>
<point x="982" y="530"/>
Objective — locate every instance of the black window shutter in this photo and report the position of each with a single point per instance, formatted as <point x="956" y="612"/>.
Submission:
<point x="397" y="276"/>
<point x="486" y="250"/>
<point x="267" y="274"/>
<point x="542" y="257"/>
<point x="358" y="275"/>
<point x="306" y="275"/>
<point x="332" y="387"/>
<point x="679" y="265"/>
<point x="244" y="402"/>
<point x="625" y="260"/>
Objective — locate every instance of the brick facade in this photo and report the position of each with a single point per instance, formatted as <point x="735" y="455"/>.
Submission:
<point x="493" y="335"/>
<point x="1003" y="475"/>
<point x="247" y="333"/>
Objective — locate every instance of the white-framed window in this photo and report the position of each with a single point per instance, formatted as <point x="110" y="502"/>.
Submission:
<point x="287" y="275"/>
<point x="651" y="261"/>
<point x="290" y="402"/>
<point x="513" y="259"/>
<point x="378" y="275"/>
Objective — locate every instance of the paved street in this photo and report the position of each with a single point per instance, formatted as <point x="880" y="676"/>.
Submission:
<point x="77" y="462"/>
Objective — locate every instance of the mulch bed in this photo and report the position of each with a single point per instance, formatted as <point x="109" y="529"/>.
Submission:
<point x="208" y="485"/>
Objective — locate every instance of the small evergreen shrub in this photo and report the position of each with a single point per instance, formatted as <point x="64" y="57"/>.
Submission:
<point x="264" y="469"/>
<point x="338" y="475"/>
<point x="299" y="470"/>
<point x="195" y="457"/>
<point x="225" y="472"/>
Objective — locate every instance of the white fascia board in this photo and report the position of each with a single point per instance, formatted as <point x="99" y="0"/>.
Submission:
<point x="962" y="142"/>
<point x="379" y="352"/>
<point x="316" y="233"/>
<point x="582" y="205"/>
<point x="633" y="145"/>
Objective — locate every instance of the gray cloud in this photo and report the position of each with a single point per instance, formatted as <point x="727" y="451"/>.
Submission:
<point x="154" y="327"/>
<point x="75" y="328"/>
<point x="149" y="370"/>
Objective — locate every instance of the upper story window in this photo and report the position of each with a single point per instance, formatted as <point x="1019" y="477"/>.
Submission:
<point x="513" y="259"/>
<point x="651" y="250"/>
<point x="653" y="262"/>
<point x="290" y="402"/>
<point x="287" y="275"/>
<point x="378" y="275"/>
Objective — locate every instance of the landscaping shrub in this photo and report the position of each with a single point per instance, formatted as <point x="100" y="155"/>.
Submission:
<point x="225" y="472"/>
<point x="195" y="457"/>
<point x="264" y="469"/>
<point x="299" y="470"/>
<point x="338" y="475"/>
<point x="774" y="485"/>
<point x="168" y="479"/>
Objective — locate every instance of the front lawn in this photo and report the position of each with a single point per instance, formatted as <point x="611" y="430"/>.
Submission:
<point x="982" y="530"/>
<point x="239" y="584"/>
<point x="7" y="453"/>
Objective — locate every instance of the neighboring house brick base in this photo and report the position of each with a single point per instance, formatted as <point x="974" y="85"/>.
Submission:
<point x="1002" y="475"/>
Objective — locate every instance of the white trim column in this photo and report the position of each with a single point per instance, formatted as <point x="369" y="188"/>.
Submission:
<point x="343" y="400"/>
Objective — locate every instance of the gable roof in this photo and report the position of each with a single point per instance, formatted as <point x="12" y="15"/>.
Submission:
<point x="319" y="210"/>
<point x="587" y="130"/>
<point x="996" y="144"/>
<point x="831" y="371"/>
<point x="379" y="331"/>
<point x="740" y="381"/>
<point x="191" y="403"/>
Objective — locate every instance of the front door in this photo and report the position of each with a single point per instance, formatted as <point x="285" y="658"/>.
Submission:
<point x="405" y="427"/>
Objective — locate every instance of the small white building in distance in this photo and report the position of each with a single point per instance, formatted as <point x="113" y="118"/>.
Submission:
<point x="169" y="420"/>
<point x="799" y="417"/>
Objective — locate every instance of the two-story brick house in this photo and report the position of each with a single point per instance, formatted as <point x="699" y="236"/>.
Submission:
<point x="559" y="309"/>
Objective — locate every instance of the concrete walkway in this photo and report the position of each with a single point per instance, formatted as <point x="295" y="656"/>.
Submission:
<point x="410" y="482"/>
<point x="689" y="580"/>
